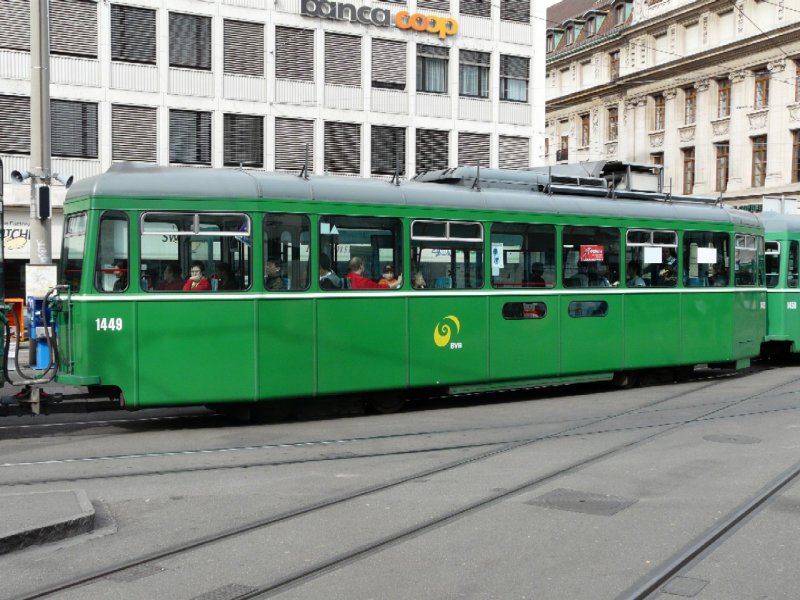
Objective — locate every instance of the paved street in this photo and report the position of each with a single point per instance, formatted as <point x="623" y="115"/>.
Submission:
<point x="574" y="492"/>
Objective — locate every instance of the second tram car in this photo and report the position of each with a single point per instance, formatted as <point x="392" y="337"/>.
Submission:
<point x="503" y="279"/>
<point x="782" y="260"/>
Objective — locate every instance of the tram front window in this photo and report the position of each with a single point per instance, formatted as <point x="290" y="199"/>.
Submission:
<point x="72" y="251"/>
<point x="112" y="271"/>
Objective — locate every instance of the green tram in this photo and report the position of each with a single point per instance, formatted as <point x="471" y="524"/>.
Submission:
<point x="782" y="261"/>
<point x="503" y="279"/>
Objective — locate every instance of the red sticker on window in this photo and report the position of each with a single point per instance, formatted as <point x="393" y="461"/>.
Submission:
<point x="591" y="253"/>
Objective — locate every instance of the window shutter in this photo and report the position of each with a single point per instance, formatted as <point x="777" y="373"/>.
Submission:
<point x="190" y="137"/>
<point x="133" y="34"/>
<point x="291" y="137"/>
<point x="133" y="133"/>
<point x="342" y="59"/>
<point x="514" y="152"/>
<point x="343" y="148"/>
<point x="73" y="27"/>
<point x="442" y="5"/>
<point x="389" y="64"/>
<point x="515" y="10"/>
<point x="15" y="124"/>
<point x="388" y="150"/>
<point x="433" y="51"/>
<point x="432" y="149"/>
<point x="294" y="53"/>
<point x="73" y="129"/>
<point x="16" y="18"/>
<point x="474" y="148"/>
<point x="244" y="48"/>
<point x="189" y="41"/>
<point x="471" y="57"/>
<point x="478" y="8"/>
<point x="243" y="141"/>
<point x="515" y="67"/>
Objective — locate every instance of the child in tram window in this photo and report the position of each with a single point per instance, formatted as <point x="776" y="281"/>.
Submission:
<point x="388" y="280"/>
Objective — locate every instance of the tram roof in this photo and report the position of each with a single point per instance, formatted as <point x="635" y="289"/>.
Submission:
<point x="774" y="221"/>
<point x="147" y="181"/>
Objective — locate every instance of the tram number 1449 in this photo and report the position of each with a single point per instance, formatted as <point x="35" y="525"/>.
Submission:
<point x="109" y="324"/>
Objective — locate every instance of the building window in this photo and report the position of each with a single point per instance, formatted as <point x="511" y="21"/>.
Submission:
<point x="474" y="149"/>
<point x="388" y="150"/>
<point x="243" y="48"/>
<point x="689" y="105"/>
<point x="433" y="150"/>
<point x="432" y="69"/>
<point x="15" y="125"/>
<point x="342" y="148"/>
<point x="476" y="8"/>
<point x="796" y="156"/>
<point x="797" y="81"/>
<point x="190" y="137"/>
<point x="243" y="141"/>
<point x="442" y="5"/>
<point x="73" y="129"/>
<point x="514" y="152"/>
<point x="515" y="10"/>
<point x="761" y="99"/>
<point x="294" y="54"/>
<point x="585" y="130"/>
<point x="551" y="43"/>
<point x="294" y="143"/>
<point x="473" y="74"/>
<point x="570" y="35"/>
<point x="613" y="124"/>
<point x="619" y="14"/>
<point x="723" y="98"/>
<point x="189" y="41"/>
<point x="133" y="34"/>
<point x="134" y="133"/>
<point x="16" y="16"/>
<point x="722" y="166"/>
<point x="73" y="28"/>
<point x="591" y="28"/>
<point x="546" y="148"/>
<point x="657" y="158"/>
<point x="514" y="73"/>
<point x="388" y="64"/>
<point x="659" y="112"/>
<point x="759" y="161"/>
<point x="688" y="170"/>
<point x="613" y="65"/>
<point x="342" y="59"/>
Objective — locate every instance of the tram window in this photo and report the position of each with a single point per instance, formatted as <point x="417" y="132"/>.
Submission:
<point x="792" y="270"/>
<point x="370" y="245"/>
<point x="171" y="242"/>
<point x="73" y="248"/>
<point x="588" y="308"/>
<point x="706" y="258"/>
<point x="651" y="258"/>
<point x="112" y="269"/>
<point x="286" y="252"/>
<point x="523" y="256"/>
<point x="447" y="254"/>
<point x="772" y="259"/>
<point x="745" y="259"/>
<point x="590" y="256"/>
<point x="517" y="311"/>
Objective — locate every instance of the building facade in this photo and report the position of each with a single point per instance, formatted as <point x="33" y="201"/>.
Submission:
<point x="710" y="89"/>
<point x="364" y="89"/>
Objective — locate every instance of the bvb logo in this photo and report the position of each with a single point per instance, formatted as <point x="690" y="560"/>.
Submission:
<point x="444" y="330"/>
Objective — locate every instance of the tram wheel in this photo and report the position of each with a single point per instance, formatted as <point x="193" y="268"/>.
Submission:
<point x="624" y="380"/>
<point x="683" y="373"/>
<point x="386" y="403"/>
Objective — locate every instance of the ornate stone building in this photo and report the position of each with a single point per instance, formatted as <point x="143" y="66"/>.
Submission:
<point x="710" y="89"/>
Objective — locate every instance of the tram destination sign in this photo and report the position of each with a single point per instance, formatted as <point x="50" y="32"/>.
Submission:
<point x="379" y="17"/>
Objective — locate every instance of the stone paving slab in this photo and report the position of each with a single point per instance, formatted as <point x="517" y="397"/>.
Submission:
<point x="40" y="517"/>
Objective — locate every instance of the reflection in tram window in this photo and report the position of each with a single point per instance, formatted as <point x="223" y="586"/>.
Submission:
<point x="588" y="308"/>
<point x="591" y="256"/>
<point x="74" y="243"/>
<point x="523" y="256"/>
<point x="449" y="254"/>
<point x="772" y="262"/>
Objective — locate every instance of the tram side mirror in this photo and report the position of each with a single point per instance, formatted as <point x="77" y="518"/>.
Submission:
<point x="43" y="203"/>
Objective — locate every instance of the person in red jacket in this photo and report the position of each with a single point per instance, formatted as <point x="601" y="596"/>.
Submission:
<point x="197" y="281"/>
<point x="358" y="281"/>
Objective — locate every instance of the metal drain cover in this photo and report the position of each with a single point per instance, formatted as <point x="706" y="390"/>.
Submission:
<point x="688" y="587"/>
<point x="226" y="592"/>
<point x="135" y="573"/>
<point x="732" y="439"/>
<point x="583" y="502"/>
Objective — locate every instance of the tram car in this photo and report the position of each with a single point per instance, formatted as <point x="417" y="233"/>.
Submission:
<point x="235" y="287"/>
<point x="782" y="262"/>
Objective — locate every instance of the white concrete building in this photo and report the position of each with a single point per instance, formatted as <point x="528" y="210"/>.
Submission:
<point x="368" y="87"/>
<point x="708" y="88"/>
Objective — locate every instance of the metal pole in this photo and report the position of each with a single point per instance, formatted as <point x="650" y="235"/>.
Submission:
<point x="41" y="242"/>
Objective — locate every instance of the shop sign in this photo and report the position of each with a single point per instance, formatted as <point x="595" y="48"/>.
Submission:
<point x="16" y="235"/>
<point x="379" y="17"/>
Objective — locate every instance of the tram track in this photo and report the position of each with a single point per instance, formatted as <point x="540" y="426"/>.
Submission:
<point x="334" y="562"/>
